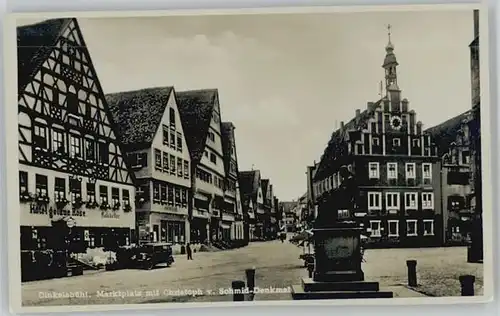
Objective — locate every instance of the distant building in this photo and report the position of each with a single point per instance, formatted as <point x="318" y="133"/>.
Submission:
<point x="201" y="121"/>
<point x="290" y="218"/>
<point x="75" y="188"/>
<point x="253" y="201"/>
<point x="269" y="218"/>
<point x="395" y="165"/>
<point x="150" y="128"/>
<point x="233" y="211"/>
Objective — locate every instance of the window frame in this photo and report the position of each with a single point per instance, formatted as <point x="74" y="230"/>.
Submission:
<point x="431" y="221"/>
<point x="429" y="205"/>
<point x="379" y="230"/>
<point x="180" y="167"/>
<point x="398" y="201"/>
<point x="389" y="176"/>
<point x="414" y="221"/>
<point x="389" y="222"/>
<point x="429" y="175"/>
<point x="409" y="176"/>
<point x="376" y="174"/>
<point x="166" y="134"/>
<point x="23" y="182"/>
<point x="432" y="227"/>
<point x="375" y="208"/>
<point x="39" y="129"/>
<point x="41" y="185"/>
<point x="407" y="194"/>
<point x="158" y="159"/>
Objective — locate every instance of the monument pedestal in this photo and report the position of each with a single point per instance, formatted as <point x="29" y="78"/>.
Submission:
<point x="337" y="271"/>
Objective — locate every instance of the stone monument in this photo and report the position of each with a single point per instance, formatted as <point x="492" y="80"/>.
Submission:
<point x="337" y="252"/>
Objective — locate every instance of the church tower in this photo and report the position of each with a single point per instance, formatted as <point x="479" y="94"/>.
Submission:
<point x="393" y="93"/>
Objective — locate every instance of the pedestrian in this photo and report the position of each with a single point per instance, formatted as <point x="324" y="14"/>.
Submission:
<point x="189" y="252"/>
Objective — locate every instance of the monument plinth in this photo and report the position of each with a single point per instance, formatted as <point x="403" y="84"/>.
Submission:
<point x="338" y="253"/>
<point x="337" y="267"/>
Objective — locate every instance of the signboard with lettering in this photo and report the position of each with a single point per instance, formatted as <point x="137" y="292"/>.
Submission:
<point x="110" y="214"/>
<point x="36" y="208"/>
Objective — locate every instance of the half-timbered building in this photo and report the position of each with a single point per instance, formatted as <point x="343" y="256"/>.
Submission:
<point x="201" y="120"/>
<point x="233" y="213"/>
<point x="72" y="172"/>
<point x="395" y="166"/>
<point x="150" y="128"/>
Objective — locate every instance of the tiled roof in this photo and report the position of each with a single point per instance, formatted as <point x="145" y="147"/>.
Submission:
<point x="137" y="114"/>
<point x="34" y="44"/>
<point x="249" y="183"/>
<point x="196" y="108"/>
<point x="446" y="133"/>
<point x="335" y="143"/>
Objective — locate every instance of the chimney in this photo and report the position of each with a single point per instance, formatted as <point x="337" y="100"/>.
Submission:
<point x="341" y="125"/>
<point x="476" y="23"/>
<point x="358" y="113"/>
<point x="369" y="106"/>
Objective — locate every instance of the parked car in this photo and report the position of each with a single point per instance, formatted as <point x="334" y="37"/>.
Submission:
<point x="147" y="256"/>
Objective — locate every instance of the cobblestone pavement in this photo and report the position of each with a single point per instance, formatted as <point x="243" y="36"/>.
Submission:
<point x="438" y="269"/>
<point x="277" y="266"/>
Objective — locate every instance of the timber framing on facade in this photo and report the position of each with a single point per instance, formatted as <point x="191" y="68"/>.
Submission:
<point x="71" y="164"/>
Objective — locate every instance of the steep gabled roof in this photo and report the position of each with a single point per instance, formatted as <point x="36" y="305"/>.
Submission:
<point x="265" y="186"/>
<point x="137" y="114"/>
<point x="35" y="42"/>
<point x="335" y="142"/>
<point x="249" y="183"/>
<point x="196" y="108"/>
<point x="446" y="133"/>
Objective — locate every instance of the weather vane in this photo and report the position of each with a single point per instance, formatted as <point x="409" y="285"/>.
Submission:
<point x="389" y="31"/>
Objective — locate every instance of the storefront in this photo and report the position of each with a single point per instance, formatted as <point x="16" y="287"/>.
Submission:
<point x="200" y="221"/>
<point x="79" y="229"/>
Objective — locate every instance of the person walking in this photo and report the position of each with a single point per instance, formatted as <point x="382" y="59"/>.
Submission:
<point x="189" y="252"/>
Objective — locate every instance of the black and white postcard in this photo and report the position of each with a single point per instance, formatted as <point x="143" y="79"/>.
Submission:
<point x="271" y="156"/>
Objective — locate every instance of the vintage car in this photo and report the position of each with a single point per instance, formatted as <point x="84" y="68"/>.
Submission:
<point x="148" y="255"/>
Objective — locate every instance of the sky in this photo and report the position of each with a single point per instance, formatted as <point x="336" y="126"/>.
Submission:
<point x="286" y="81"/>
